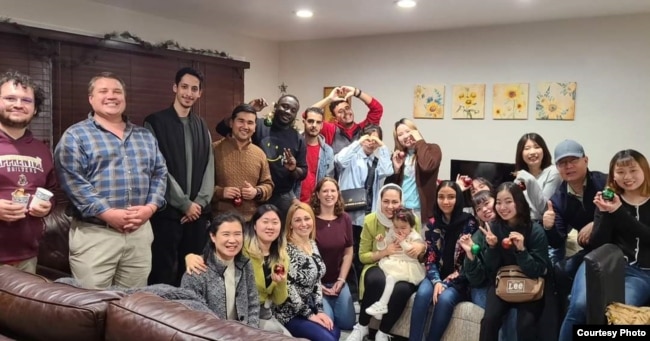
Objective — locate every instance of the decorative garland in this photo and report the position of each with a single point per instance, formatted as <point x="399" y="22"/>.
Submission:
<point x="44" y="48"/>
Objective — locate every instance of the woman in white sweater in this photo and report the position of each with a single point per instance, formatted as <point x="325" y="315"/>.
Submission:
<point x="534" y="167"/>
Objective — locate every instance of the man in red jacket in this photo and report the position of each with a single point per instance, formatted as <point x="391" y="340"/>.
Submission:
<point x="341" y="133"/>
<point x="25" y="164"/>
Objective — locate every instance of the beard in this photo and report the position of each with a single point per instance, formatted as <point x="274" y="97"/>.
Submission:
<point x="7" y="121"/>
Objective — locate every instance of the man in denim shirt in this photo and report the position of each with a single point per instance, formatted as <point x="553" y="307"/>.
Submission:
<point x="116" y="178"/>
<point x="320" y="156"/>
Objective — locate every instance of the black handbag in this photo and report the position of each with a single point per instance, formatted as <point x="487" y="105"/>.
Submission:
<point x="354" y="199"/>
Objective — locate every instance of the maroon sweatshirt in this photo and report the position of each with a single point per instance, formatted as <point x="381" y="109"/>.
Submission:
<point x="24" y="163"/>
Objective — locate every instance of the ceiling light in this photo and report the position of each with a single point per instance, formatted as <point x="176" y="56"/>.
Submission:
<point x="304" y="13"/>
<point x="406" y="3"/>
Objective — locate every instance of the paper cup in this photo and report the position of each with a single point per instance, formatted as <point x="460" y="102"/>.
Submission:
<point x="40" y="196"/>
<point x="20" y="199"/>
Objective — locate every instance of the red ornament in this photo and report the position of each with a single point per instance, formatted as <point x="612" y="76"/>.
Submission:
<point x="506" y="243"/>
<point x="467" y="181"/>
<point x="237" y="201"/>
<point x="278" y="269"/>
<point x="522" y="185"/>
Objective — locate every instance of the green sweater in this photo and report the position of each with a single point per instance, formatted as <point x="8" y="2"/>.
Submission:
<point x="368" y="244"/>
<point x="534" y="261"/>
<point x="277" y="292"/>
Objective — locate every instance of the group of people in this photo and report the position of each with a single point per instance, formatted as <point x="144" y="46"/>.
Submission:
<point x="288" y="229"/>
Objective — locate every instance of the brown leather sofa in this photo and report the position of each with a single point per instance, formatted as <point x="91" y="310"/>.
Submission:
<point x="34" y="308"/>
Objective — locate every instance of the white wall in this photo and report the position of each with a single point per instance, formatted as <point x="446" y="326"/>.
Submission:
<point x="89" y="18"/>
<point x="608" y="57"/>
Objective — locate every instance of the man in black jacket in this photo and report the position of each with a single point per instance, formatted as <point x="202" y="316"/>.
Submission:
<point x="185" y="142"/>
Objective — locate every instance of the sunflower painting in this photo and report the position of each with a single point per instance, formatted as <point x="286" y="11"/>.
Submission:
<point x="556" y="101"/>
<point x="510" y="101"/>
<point x="468" y="102"/>
<point x="429" y="101"/>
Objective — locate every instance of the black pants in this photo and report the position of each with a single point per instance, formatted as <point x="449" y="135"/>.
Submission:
<point x="171" y="242"/>
<point x="496" y="309"/>
<point x="374" y="282"/>
<point x="283" y="203"/>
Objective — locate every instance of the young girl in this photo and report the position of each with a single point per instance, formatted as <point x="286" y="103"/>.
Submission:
<point x="624" y="221"/>
<point x="443" y="261"/>
<point x="525" y="245"/>
<point x="416" y="164"/>
<point x="228" y="285"/>
<point x="534" y="168"/>
<point x="398" y="266"/>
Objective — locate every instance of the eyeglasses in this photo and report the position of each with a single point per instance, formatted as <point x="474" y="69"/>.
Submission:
<point x="14" y="100"/>
<point x="568" y="161"/>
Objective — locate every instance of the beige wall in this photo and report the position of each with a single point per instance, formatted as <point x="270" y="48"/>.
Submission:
<point x="608" y="57"/>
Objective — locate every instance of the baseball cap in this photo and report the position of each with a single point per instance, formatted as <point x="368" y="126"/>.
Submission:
<point x="568" y="148"/>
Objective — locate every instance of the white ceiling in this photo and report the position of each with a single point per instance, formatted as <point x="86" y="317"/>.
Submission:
<point x="275" y="20"/>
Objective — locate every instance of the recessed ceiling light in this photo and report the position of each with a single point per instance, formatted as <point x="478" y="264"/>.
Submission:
<point x="304" y="13"/>
<point x="406" y="3"/>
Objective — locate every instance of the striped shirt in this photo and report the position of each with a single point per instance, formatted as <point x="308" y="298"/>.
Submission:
<point x="99" y="171"/>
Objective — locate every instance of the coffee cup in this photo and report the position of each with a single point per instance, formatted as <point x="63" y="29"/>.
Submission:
<point x="41" y="195"/>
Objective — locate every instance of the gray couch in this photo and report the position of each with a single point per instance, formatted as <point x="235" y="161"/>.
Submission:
<point x="465" y="323"/>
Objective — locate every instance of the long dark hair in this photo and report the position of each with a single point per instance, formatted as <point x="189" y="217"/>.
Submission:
<point x="458" y="206"/>
<point x="522" y="217"/>
<point x="226" y="217"/>
<point x="519" y="159"/>
<point x="277" y="250"/>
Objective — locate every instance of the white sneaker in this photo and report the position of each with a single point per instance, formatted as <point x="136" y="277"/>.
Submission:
<point x="377" y="308"/>
<point x="382" y="337"/>
<point x="359" y="332"/>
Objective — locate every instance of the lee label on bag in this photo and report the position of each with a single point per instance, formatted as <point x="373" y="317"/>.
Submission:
<point x="515" y="286"/>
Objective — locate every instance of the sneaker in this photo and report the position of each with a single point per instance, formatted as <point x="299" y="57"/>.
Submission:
<point x="377" y="308"/>
<point x="382" y="337"/>
<point x="358" y="333"/>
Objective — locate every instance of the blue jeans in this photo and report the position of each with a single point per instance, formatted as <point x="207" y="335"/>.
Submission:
<point x="420" y="309"/>
<point x="340" y="308"/>
<point x="302" y="327"/>
<point x="558" y="254"/>
<point x="637" y="286"/>
<point x="442" y="312"/>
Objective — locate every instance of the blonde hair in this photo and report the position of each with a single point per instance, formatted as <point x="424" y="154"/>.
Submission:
<point x="398" y="145"/>
<point x="292" y="212"/>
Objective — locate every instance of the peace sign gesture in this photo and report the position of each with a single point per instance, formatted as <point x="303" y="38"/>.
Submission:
<point x="490" y="238"/>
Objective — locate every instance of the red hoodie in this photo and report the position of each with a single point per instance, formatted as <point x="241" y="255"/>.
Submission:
<point x="24" y="163"/>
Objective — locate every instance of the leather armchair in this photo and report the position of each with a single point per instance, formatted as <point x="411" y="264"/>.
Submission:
<point x="605" y="272"/>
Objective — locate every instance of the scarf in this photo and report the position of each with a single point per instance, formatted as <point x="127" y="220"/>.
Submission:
<point x="388" y="223"/>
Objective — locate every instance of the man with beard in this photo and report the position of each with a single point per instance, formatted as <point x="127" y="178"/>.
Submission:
<point x="340" y="134"/>
<point x="242" y="175"/>
<point x="25" y="164"/>
<point x="184" y="140"/>
<point x="320" y="157"/>
<point x="116" y="178"/>
<point x="284" y="148"/>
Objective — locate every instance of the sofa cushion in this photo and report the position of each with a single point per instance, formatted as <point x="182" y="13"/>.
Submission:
<point x="144" y="316"/>
<point x="53" y="251"/>
<point x="36" y="309"/>
<point x="465" y="322"/>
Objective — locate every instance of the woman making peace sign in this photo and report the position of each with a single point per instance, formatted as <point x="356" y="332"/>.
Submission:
<point x="512" y="239"/>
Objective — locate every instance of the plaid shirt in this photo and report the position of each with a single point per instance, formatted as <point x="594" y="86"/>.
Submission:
<point x="98" y="171"/>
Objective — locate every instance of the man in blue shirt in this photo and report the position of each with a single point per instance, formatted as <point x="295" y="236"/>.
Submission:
<point x="116" y="178"/>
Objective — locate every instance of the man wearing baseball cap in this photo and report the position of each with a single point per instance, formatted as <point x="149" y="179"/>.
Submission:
<point x="573" y="208"/>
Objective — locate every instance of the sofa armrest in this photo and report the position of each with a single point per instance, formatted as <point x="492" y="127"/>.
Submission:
<point x="605" y="278"/>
